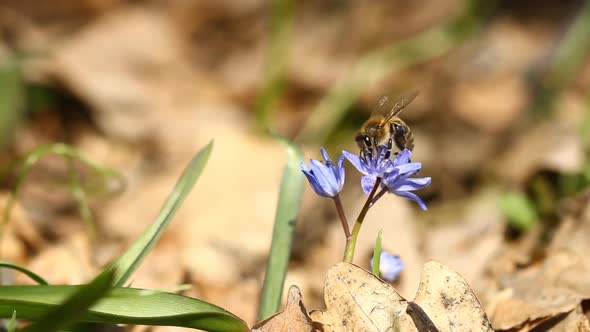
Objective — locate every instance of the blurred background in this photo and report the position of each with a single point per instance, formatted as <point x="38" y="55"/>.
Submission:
<point x="501" y="124"/>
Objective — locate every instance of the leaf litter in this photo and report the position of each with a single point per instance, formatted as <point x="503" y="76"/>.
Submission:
<point x="149" y="107"/>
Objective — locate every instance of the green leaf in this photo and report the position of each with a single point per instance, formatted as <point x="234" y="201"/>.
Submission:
<point x="12" y="323"/>
<point x="377" y="255"/>
<point x="12" y="99"/>
<point x="29" y="273"/>
<point x="286" y="216"/>
<point x="74" y="306"/>
<point x="121" y="306"/>
<point x="519" y="209"/>
<point x="130" y="260"/>
<point x="281" y="22"/>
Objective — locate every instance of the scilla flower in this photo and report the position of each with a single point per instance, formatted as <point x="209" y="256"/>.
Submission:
<point x="399" y="181"/>
<point x="371" y="167"/>
<point x="390" y="266"/>
<point x="395" y="174"/>
<point x="326" y="178"/>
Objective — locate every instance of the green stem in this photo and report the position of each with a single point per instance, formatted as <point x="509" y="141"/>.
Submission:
<point x="351" y="241"/>
<point x="342" y="216"/>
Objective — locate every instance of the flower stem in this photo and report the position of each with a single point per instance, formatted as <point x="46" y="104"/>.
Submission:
<point x="343" y="220"/>
<point x="351" y="241"/>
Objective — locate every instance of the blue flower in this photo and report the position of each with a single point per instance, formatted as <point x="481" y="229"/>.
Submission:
<point x="399" y="182"/>
<point x="371" y="167"/>
<point x="390" y="266"/>
<point x="395" y="174"/>
<point x="325" y="178"/>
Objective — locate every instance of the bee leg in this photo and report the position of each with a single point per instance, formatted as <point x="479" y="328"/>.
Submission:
<point x="389" y="147"/>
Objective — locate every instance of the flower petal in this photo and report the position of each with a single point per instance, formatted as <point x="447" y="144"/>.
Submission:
<point x="413" y="197"/>
<point x="403" y="157"/>
<point x="368" y="182"/>
<point x="409" y="168"/>
<point x="412" y="184"/>
<point x="304" y="167"/>
<point x="314" y="183"/>
<point x="341" y="172"/>
<point x="325" y="155"/>
<point x="391" y="266"/>
<point x="325" y="178"/>
<point x="356" y="161"/>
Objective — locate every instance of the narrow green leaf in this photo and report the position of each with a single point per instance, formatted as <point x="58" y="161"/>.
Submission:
<point x="130" y="260"/>
<point x="12" y="323"/>
<point x="75" y="306"/>
<point x="286" y="216"/>
<point x="12" y="99"/>
<point x="377" y="255"/>
<point x="276" y="63"/>
<point x="29" y="273"/>
<point x="121" y="306"/>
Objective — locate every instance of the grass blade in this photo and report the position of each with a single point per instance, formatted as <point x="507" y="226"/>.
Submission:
<point x="12" y="323"/>
<point x="276" y="62"/>
<point x="121" y="306"/>
<point x="376" y="266"/>
<point x="12" y="99"/>
<point x="74" y="306"/>
<point x="130" y="260"/>
<point x="286" y="215"/>
<point x="29" y="273"/>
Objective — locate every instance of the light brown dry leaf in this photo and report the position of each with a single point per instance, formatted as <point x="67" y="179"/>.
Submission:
<point x="526" y="302"/>
<point x="449" y="302"/>
<point x="568" y="263"/>
<point x="293" y="319"/>
<point x="357" y="300"/>
<point x="575" y="321"/>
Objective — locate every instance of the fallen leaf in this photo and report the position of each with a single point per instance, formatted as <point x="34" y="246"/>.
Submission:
<point x="357" y="300"/>
<point x="293" y="319"/>
<point x="574" y="321"/>
<point x="527" y="302"/>
<point x="449" y="302"/>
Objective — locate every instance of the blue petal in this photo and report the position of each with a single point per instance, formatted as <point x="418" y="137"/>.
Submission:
<point x="325" y="155"/>
<point x="340" y="170"/>
<point x="325" y="178"/>
<point x="413" y="197"/>
<point x="409" y="168"/>
<point x="403" y="157"/>
<point x="368" y="182"/>
<point x="412" y="184"/>
<point x="314" y="183"/>
<point x="390" y="266"/>
<point x="356" y="161"/>
<point x="304" y="167"/>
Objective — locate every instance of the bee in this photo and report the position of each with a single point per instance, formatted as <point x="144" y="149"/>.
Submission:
<point x="385" y="128"/>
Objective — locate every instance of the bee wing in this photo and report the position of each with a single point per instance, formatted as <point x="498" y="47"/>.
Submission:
<point x="389" y="109"/>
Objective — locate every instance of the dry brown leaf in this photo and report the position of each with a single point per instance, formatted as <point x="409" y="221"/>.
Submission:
<point x="357" y="300"/>
<point x="293" y="319"/>
<point x="575" y="321"/>
<point x="527" y="302"/>
<point x="449" y="302"/>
